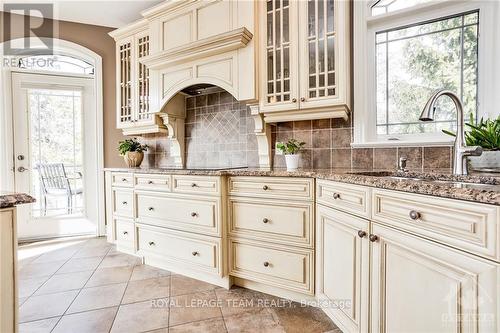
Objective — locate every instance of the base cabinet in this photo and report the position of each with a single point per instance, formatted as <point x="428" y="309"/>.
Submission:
<point x="342" y="268"/>
<point x="420" y="286"/>
<point x="8" y="271"/>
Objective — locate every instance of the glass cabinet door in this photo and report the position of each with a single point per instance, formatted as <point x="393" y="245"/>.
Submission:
<point x="280" y="53"/>
<point x="125" y="115"/>
<point x="319" y="43"/>
<point x="142" y="89"/>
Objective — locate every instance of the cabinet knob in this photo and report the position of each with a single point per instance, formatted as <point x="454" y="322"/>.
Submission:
<point x="193" y="185"/>
<point x="151" y="208"/>
<point x="302" y="99"/>
<point x="414" y="215"/>
<point x="150" y="182"/>
<point x="336" y="196"/>
<point x="194" y="214"/>
<point x="373" y="238"/>
<point x="294" y="100"/>
<point x="195" y="253"/>
<point x="124" y="202"/>
<point x="151" y="243"/>
<point x="265" y="220"/>
<point x="124" y="180"/>
<point x="266" y="264"/>
<point x="125" y="232"/>
<point x="361" y="233"/>
<point x="265" y="187"/>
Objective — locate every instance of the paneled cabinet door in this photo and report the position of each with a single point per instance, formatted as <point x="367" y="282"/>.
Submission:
<point x="142" y="112"/>
<point x="125" y="91"/>
<point x="280" y="54"/>
<point x="342" y="268"/>
<point x="421" y="286"/>
<point x="324" y="52"/>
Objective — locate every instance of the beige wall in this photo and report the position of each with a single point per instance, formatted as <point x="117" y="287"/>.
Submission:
<point x="95" y="38"/>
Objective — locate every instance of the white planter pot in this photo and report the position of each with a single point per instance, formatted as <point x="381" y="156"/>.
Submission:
<point x="292" y="162"/>
<point x="489" y="161"/>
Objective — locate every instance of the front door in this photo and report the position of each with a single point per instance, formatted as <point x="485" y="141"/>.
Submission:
<point x="54" y="145"/>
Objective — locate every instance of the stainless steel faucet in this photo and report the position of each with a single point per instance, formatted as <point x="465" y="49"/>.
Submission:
<point x="460" y="151"/>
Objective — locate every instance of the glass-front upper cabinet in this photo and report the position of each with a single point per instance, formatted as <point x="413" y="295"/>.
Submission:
<point x="124" y="68"/>
<point x="142" y="103"/>
<point x="307" y="57"/>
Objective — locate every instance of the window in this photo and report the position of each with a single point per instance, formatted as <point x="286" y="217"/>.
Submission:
<point x="56" y="63"/>
<point x="406" y="49"/>
<point x="412" y="62"/>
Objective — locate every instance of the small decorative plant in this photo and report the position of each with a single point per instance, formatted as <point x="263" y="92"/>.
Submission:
<point x="290" y="150"/>
<point x="486" y="134"/>
<point x="132" y="152"/>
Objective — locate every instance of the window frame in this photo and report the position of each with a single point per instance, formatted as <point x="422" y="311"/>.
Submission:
<point x="365" y="28"/>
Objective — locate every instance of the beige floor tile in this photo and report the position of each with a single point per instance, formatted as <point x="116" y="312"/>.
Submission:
<point x="37" y="270"/>
<point x="57" y="255"/>
<point x="160" y="330"/>
<point x="301" y="319"/>
<point x="143" y="272"/>
<point x="98" y="297"/>
<point x="92" y="251"/>
<point x="106" y="276"/>
<point x="140" y="317"/>
<point x="261" y="321"/>
<point x="205" y="326"/>
<point x="118" y="260"/>
<point x="28" y="286"/>
<point x="64" y="282"/>
<point x="143" y="290"/>
<point x="39" y="326"/>
<point x="97" y="321"/>
<point x="193" y="307"/>
<point x="46" y="306"/>
<point x="239" y="300"/>
<point x="184" y="285"/>
<point x="21" y="300"/>
<point x="80" y="265"/>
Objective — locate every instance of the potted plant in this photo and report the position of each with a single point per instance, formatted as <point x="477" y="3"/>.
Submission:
<point x="290" y="150"/>
<point x="132" y="152"/>
<point x="486" y="134"/>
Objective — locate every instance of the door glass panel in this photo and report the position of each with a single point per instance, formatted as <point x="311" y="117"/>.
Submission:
<point x="143" y="111"/>
<point x="321" y="47"/>
<point x="56" y="149"/>
<point x="125" y="83"/>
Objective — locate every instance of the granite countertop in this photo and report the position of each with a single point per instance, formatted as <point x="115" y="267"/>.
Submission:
<point x="483" y="188"/>
<point x="9" y="199"/>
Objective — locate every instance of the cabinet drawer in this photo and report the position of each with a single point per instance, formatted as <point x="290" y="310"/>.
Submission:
<point x="195" y="215"/>
<point x="196" y="184"/>
<point x="289" y="223"/>
<point x="272" y="187"/>
<point x="287" y="268"/>
<point x="201" y="251"/>
<point x="349" y="198"/>
<point x="123" y="202"/>
<point x="125" y="233"/>
<point x="122" y="179"/>
<point x="153" y="182"/>
<point x="468" y="226"/>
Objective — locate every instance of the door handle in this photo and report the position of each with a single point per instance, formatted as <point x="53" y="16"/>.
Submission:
<point x="22" y="169"/>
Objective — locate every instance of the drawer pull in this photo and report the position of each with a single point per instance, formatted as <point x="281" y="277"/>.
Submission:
<point x="194" y="214"/>
<point x="150" y="182"/>
<point x="152" y="243"/>
<point x="124" y="180"/>
<point x="195" y="253"/>
<point x="266" y="264"/>
<point x="373" y="238"/>
<point x="124" y="202"/>
<point x="265" y="187"/>
<point x="151" y="208"/>
<point x="193" y="185"/>
<point x="265" y="220"/>
<point x="361" y="233"/>
<point x="125" y="232"/>
<point x="414" y="215"/>
<point x="336" y="196"/>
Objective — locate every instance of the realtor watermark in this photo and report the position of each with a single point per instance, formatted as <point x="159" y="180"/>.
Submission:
<point x="32" y="24"/>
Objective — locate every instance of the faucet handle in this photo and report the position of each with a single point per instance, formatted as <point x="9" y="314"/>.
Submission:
<point x="402" y="164"/>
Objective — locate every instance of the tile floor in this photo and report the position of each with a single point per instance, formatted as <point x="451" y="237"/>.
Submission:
<point x="85" y="285"/>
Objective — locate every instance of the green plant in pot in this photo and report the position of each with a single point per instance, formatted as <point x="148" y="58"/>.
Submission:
<point x="132" y="152"/>
<point x="486" y="134"/>
<point x="290" y="149"/>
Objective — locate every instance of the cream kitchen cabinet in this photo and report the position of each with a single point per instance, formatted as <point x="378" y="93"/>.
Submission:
<point x="305" y="59"/>
<point x="413" y="263"/>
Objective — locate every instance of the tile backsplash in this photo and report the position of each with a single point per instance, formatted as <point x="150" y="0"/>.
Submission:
<point x="220" y="133"/>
